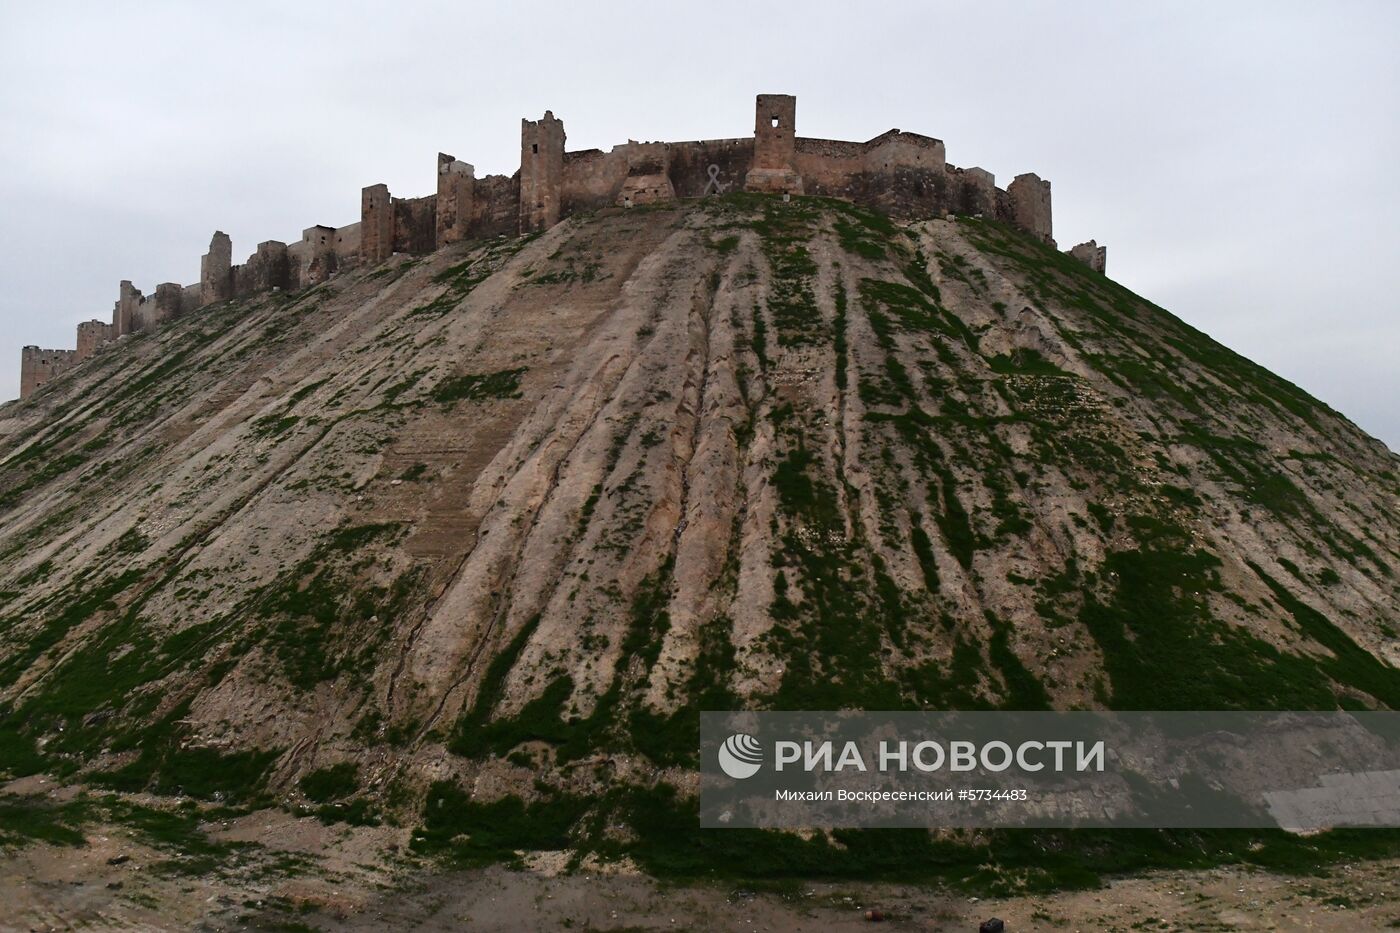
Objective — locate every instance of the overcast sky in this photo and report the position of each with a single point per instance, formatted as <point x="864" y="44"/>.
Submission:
<point x="1241" y="160"/>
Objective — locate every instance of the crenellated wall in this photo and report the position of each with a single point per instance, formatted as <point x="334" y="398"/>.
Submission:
<point x="905" y="175"/>
<point x="37" y="366"/>
<point x="91" y="336"/>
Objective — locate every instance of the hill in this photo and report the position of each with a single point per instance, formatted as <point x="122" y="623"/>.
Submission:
<point x="468" y="539"/>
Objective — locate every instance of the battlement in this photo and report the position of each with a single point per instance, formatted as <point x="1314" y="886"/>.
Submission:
<point x="38" y="366"/>
<point x="905" y="175"/>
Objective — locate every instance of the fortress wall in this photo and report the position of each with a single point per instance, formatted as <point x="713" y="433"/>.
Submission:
<point x="391" y="225"/>
<point x="266" y="269"/>
<point x="828" y="165"/>
<point x="591" y="179"/>
<point x="311" y="259"/>
<point x="141" y="313"/>
<point x="415" y="224"/>
<point x="191" y="298"/>
<point x="347" y="245"/>
<point x="902" y="192"/>
<point x="300" y="258"/>
<point x="873" y="172"/>
<point x="971" y="191"/>
<point x="38" y="366"/>
<point x="905" y="175"/>
<point x="167" y="302"/>
<point x="153" y="310"/>
<point x="647" y="181"/>
<point x="91" y="335"/>
<point x="896" y="149"/>
<point x="496" y="206"/>
<point x="689" y="165"/>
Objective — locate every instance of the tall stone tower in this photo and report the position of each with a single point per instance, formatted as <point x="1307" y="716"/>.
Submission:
<point x="1030" y="205"/>
<point x="541" y="172"/>
<point x="124" y="312"/>
<point x="774" y="166"/>
<point x="216" y="270"/>
<point x="456" y="187"/>
<point x="376" y="224"/>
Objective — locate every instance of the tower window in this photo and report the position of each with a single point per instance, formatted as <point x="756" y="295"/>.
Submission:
<point x="535" y="148"/>
<point x="775" y="120"/>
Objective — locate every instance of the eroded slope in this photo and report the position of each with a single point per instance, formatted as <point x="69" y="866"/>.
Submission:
<point x="500" y="520"/>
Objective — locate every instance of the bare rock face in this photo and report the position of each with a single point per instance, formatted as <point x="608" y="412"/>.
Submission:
<point x="492" y="525"/>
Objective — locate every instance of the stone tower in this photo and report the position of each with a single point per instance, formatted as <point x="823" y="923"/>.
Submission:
<point x="541" y="172"/>
<point x="456" y="187"/>
<point x="91" y="335"/>
<point x="124" y="313"/>
<point x="39" y="366"/>
<point x="774" y="166"/>
<point x="216" y="270"/>
<point x="1030" y="205"/>
<point x="376" y="224"/>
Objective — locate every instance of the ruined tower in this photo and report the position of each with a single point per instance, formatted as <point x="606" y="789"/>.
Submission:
<point x="165" y="306"/>
<point x="1092" y="255"/>
<point x="315" y="257"/>
<point x="456" y="185"/>
<point x="267" y="269"/>
<point x="541" y="172"/>
<point x="216" y="270"/>
<point x="774" y="168"/>
<point x="1030" y="205"/>
<point x="124" y="313"/>
<point x="91" y="335"/>
<point x="376" y="224"/>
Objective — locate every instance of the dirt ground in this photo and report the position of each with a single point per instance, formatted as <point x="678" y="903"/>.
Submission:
<point x="296" y="874"/>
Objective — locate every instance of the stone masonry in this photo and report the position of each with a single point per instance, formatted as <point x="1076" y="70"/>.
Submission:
<point x="904" y="175"/>
<point x="40" y="366"/>
<point x="1092" y="255"/>
<point x="541" y="172"/>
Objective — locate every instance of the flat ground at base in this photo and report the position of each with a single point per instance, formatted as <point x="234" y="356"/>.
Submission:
<point x="302" y="875"/>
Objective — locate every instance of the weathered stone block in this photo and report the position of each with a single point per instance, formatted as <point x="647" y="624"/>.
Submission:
<point x="1092" y="255"/>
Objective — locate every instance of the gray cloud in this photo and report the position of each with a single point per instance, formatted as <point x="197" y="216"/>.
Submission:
<point x="1238" y="159"/>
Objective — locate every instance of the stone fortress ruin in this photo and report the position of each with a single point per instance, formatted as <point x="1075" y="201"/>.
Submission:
<point x="904" y="175"/>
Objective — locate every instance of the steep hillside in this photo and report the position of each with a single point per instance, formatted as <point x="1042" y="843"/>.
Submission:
<point x="488" y="527"/>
